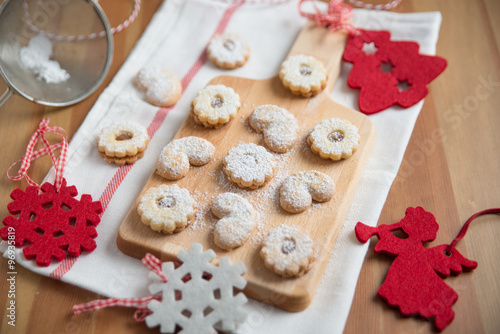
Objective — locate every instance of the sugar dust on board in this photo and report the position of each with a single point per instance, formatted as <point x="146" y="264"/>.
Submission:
<point x="36" y="58"/>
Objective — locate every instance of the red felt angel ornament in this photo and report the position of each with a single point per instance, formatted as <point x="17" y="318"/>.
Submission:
<point x="414" y="282"/>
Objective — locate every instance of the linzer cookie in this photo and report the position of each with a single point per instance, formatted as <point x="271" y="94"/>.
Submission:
<point x="166" y="209"/>
<point x="237" y="220"/>
<point x="303" y="75"/>
<point x="215" y="105"/>
<point x="288" y="252"/>
<point x="122" y="142"/>
<point x="299" y="190"/>
<point x="228" y="51"/>
<point x="278" y="126"/>
<point x="175" y="158"/>
<point x="162" y="88"/>
<point x="249" y="165"/>
<point x="334" y="139"/>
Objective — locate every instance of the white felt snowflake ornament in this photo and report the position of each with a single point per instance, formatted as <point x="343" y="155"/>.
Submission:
<point x="198" y="296"/>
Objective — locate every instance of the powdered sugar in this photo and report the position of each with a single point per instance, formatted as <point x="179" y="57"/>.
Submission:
<point x="203" y="212"/>
<point x="265" y="200"/>
<point x="36" y="58"/>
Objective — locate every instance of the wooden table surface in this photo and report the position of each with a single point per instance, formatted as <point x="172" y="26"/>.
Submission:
<point x="452" y="175"/>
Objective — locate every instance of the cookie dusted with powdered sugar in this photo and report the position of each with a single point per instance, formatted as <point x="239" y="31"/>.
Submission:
<point x="175" y="158"/>
<point x="278" y="126"/>
<point x="122" y="142"/>
<point x="215" y="105"/>
<point x="299" y="190"/>
<point x="334" y="139"/>
<point x="163" y="89"/>
<point x="288" y="252"/>
<point x="237" y="220"/>
<point x="228" y="51"/>
<point x="249" y="165"/>
<point x="303" y="75"/>
<point x="166" y="209"/>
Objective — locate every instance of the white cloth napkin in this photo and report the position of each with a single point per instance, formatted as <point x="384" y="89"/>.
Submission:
<point x="175" y="38"/>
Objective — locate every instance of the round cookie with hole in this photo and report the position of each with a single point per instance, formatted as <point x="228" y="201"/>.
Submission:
<point x="303" y="75"/>
<point x="249" y="165"/>
<point x="228" y="51"/>
<point x="215" y="105"/>
<point x="166" y="208"/>
<point x="122" y="142"/>
<point x="288" y="252"/>
<point x="334" y="139"/>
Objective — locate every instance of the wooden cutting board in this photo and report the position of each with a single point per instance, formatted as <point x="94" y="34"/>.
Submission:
<point x="322" y="222"/>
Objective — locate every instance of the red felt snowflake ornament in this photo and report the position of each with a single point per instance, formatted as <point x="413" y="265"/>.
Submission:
<point x="48" y="220"/>
<point x="389" y="72"/>
<point x="52" y="222"/>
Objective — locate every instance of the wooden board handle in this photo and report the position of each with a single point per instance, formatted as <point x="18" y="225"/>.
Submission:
<point x="327" y="46"/>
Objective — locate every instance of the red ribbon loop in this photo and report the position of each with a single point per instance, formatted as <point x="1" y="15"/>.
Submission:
<point x="150" y="262"/>
<point x="335" y="17"/>
<point x="31" y="154"/>
<point x="154" y="264"/>
<point x="462" y="232"/>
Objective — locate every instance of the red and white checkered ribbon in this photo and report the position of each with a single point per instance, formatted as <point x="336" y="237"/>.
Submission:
<point x="120" y="27"/>
<point x="386" y="6"/>
<point x="338" y="13"/>
<point x="154" y="265"/>
<point x="139" y="303"/>
<point x="31" y="154"/>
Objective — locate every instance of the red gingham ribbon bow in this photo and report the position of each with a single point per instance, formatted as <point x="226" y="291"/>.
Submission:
<point x="47" y="149"/>
<point x="335" y="17"/>
<point x="153" y="264"/>
<point x="338" y="13"/>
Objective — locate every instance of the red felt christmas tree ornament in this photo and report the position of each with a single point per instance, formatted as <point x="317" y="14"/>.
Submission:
<point x="386" y="72"/>
<point x="414" y="282"/>
<point x="48" y="220"/>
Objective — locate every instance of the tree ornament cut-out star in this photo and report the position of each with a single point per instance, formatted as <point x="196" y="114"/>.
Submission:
<point x="389" y="72"/>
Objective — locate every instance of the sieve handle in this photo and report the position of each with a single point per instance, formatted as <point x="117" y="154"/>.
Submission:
<point x="5" y="96"/>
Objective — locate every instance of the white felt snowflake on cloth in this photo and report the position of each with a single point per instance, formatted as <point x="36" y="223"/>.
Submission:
<point x="198" y="296"/>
